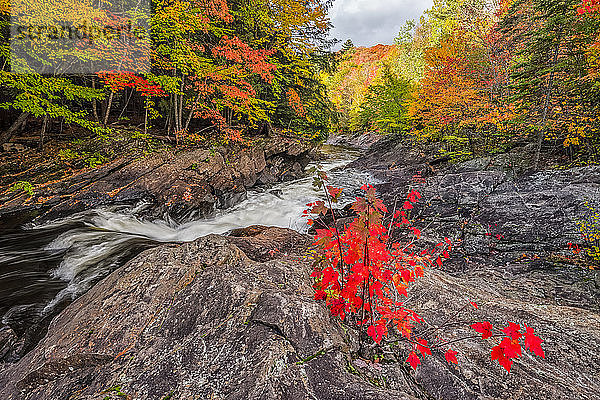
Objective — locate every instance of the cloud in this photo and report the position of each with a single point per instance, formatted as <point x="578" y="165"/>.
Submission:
<point x="369" y="22"/>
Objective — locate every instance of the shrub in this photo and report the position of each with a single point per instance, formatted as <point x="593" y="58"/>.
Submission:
<point x="363" y="276"/>
<point x="24" y="186"/>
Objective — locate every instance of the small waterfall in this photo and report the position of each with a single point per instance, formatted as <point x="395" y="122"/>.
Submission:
<point x="46" y="267"/>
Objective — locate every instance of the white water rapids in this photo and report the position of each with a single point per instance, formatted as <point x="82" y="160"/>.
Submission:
<point x="88" y="246"/>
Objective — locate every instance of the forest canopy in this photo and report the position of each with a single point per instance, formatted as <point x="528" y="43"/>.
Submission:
<point x="224" y="66"/>
<point x="481" y="76"/>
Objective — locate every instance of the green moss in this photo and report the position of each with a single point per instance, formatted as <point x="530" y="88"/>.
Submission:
<point x="23" y="186"/>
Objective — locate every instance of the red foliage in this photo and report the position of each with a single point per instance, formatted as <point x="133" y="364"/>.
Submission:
<point x="361" y="274"/>
<point x="255" y="61"/>
<point x="589" y="6"/>
<point x="296" y="103"/>
<point x="485" y="328"/>
<point x="119" y="80"/>
<point x="450" y="356"/>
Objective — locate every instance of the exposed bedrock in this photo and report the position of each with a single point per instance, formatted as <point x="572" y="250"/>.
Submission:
<point x="178" y="183"/>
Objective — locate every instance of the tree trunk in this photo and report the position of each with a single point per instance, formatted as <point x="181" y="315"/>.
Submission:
<point x="170" y="115"/>
<point x="189" y="118"/>
<point x="107" y="112"/>
<point x="175" y="116"/>
<point x="126" y="104"/>
<point x="5" y="136"/>
<point x="541" y="129"/>
<point x="94" y="104"/>
<point x="146" y="120"/>
<point x="43" y="133"/>
<point x="180" y="113"/>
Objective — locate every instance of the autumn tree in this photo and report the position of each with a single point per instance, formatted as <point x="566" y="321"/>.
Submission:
<point x="385" y="107"/>
<point x="551" y="79"/>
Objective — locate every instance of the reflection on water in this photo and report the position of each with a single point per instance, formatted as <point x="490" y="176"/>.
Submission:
<point x="43" y="268"/>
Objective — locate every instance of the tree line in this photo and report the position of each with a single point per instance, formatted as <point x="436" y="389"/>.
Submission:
<point x="224" y="67"/>
<point x="482" y="76"/>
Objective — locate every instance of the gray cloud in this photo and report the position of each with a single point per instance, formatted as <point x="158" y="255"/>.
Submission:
<point x="369" y="22"/>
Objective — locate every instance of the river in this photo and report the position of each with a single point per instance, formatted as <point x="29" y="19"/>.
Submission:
<point x="44" y="267"/>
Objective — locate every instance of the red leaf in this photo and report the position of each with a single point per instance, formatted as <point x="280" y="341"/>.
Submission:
<point x="413" y="360"/>
<point x="451" y="356"/>
<point x="498" y="354"/>
<point x="376" y="332"/>
<point x="319" y="208"/>
<point x="418" y="272"/>
<point x="485" y="328"/>
<point x="407" y="206"/>
<point x="533" y="342"/>
<point x="512" y="331"/>
<point x="320" y="295"/>
<point x="510" y="348"/>
<point x="334" y="192"/>
<point x="407" y="276"/>
<point x="422" y="347"/>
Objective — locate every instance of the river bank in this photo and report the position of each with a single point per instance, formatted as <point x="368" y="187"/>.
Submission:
<point x="53" y="261"/>
<point x="233" y="316"/>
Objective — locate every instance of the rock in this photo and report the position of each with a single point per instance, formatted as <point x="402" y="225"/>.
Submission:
<point x="203" y="319"/>
<point x="261" y="244"/>
<point x="179" y="183"/>
<point x="13" y="147"/>
<point x="8" y="339"/>
<point x="571" y="344"/>
<point x="513" y="231"/>
<point x="198" y="320"/>
<point x="361" y="140"/>
<point x="266" y="177"/>
<point x="511" y="228"/>
<point x="233" y="317"/>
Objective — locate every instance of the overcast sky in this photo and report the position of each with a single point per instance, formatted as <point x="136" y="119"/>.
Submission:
<point x="370" y="22"/>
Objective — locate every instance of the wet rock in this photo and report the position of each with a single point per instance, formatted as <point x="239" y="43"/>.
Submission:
<point x="361" y="140"/>
<point x="261" y="244"/>
<point x="197" y="320"/>
<point x="8" y="338"/>
<point x="266" y="177"/>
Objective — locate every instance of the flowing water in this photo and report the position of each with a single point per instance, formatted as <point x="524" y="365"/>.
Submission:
<point x="45" y="267"/>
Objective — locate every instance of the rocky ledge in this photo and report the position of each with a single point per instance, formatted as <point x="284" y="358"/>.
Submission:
<point x="175" y="182"/>
<point x="198" y="320"/>
<point x="210" y="320"/>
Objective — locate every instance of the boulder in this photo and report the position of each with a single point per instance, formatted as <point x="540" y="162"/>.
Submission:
<point x="198" y="320"/>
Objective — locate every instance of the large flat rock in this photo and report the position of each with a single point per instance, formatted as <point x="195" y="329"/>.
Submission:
<point x="198" y="320"/>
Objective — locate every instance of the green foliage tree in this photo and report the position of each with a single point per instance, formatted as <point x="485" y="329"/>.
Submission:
<point x="385" y="108"/>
